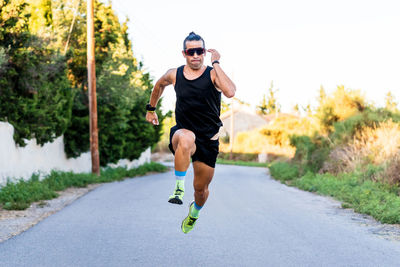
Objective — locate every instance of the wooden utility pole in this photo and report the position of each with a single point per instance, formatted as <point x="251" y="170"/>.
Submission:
<point x="91" y="66"/>
<point x="232" y="132"/>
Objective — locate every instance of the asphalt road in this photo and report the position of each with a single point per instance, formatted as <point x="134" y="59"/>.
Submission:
<point x="249" y="220"/>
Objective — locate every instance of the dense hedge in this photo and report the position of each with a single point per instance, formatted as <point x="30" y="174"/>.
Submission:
<point x="35" y="94"/>
<point x="44" y="93"/>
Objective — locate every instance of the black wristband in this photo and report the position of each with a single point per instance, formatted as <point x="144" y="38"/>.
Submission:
<point x="215" y="61"/>
<point x="150" y="108"/>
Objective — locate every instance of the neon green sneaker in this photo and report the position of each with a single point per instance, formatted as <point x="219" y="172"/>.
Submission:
<point x="189" y="222"/>
<point x="177" y="197"/>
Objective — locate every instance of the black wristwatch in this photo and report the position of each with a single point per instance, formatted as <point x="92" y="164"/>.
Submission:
<point x="150" y="108"/>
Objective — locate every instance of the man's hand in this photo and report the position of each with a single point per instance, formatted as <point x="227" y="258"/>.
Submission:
<point x="214" y="54"/>
<point x="152" y="118"/>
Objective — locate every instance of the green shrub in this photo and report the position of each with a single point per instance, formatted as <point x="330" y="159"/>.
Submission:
<point x="35" y="94"/>
<point x="340" y="105"/>
<point x="311" y="152"/>
<point x="44" y="94"/>
<point x="59" y="181"/>
<point x="345" y="130"/>
<point x="284" y="171"/>
<point x="371" y="172"/>
<point x="22" y="194"/>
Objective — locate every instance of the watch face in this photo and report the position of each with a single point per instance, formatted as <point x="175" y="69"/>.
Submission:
<point x="150" y="108"/>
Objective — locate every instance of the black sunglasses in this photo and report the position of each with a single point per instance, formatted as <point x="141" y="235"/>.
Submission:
<point x="199" y="51"/>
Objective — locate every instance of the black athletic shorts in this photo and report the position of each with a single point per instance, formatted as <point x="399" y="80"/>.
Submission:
<point x="206" y="150"/>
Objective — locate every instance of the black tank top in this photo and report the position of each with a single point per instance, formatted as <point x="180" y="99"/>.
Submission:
<point x="198" y="104"/>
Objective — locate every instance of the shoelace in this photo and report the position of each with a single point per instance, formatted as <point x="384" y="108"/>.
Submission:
<point x="191" y="221"/>
<point x="178" y="191"/>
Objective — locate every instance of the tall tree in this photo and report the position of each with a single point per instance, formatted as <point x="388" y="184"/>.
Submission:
<point x="40" y="16"/>
<point x="296" y="109"/>
<point x="390" y="102"/>
<point x="338" y="106"/>
<point x="34" y="90"/>
<point x="123" y="90"/>
<point x="44" y="93"/>
<point x="263" y="106"/>
<point x="322" y="96"/>
<point x="269" y="103"/>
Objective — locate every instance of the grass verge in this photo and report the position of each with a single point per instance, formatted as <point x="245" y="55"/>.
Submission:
<point x="241" y="163"/>
<point x="379" y="200"/>
<point x="20" y="195"/>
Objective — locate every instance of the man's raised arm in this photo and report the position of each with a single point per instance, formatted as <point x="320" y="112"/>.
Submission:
<point x="222" y="80"/>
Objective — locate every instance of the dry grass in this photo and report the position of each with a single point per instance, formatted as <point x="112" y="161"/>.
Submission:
<point x="286" y="152"/>
<point x="391" y="173"/>
<point x="273" y="139"/>
<point x="256" y="142"/>
<point x="379" y="146"/>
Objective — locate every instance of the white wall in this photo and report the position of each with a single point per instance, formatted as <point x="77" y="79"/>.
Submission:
<point x="21" y="162"/>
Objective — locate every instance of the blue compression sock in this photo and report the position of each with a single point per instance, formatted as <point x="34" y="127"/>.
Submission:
<point x="195" y="210"/>
<point x="180" y="179"/>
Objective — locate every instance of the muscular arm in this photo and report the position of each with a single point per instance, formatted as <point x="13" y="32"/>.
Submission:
<point x="223" y="82"/>
<point x="165" y="80"/>
<point x="220" y="79"/>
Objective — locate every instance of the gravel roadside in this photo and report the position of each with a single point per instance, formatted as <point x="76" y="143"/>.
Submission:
<point x="14" y="222"/>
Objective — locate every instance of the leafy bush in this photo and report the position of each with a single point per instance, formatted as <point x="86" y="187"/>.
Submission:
<point x="342" y="104"/>
<point x="35" y="80"/>
<point x="311" y="152"/>
<point x="344" y="131"/>
<point x="284" y="171"/>
<point x="35" y="93"/>
<point x="280" y="129"/>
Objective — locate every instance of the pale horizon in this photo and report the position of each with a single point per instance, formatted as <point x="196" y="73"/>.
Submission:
<point x="298" y="46"/>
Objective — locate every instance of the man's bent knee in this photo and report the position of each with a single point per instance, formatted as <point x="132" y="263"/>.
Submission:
<point x="185" y="140"/>
<point x="186" y="143"/>
<point x="202" y="193"/>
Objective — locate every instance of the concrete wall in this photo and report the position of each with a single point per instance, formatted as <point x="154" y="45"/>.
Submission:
<point x="21" y="162"/>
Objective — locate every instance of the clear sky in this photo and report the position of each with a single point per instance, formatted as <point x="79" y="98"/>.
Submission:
<point x="299" y="45"/>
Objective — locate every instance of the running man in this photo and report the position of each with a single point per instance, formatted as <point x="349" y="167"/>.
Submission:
<point x="198" y="102"/>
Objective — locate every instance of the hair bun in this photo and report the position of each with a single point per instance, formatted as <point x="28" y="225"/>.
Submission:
<point x="193" y="37"/>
